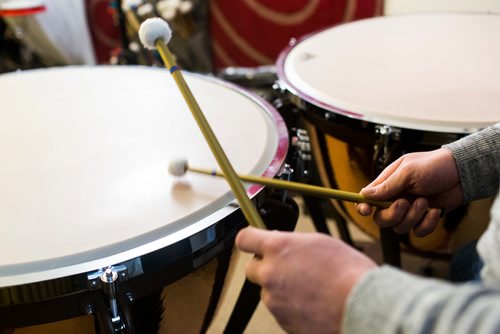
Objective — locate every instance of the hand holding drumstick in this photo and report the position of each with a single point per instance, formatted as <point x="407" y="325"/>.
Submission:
<point x="342" y="290"/>
<point x="289" y="289"/>
<point x="430" y="176"/>
<point x="180" y="167"/>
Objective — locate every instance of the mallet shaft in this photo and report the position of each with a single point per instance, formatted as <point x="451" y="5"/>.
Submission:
<point x="300" y="187"/>
<point x="237" y="188"/>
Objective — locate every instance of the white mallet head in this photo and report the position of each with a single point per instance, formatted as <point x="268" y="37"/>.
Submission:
<point x="145" y="10"/>
<point x="185" y="7"/>
<point x="168" y="13"/>
<point x="131" y="4"/>
<point x="161" y="5"/>
<point x="151" y="30"/>
<point x="178" y="167"/>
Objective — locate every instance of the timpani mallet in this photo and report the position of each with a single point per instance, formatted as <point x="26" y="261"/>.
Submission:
<point x="154" y="34"/>
<point x="181" y="166"/>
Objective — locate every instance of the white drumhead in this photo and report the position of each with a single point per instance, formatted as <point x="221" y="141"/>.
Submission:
<point x="85" y="152"/>
<point x="435" y="72"/>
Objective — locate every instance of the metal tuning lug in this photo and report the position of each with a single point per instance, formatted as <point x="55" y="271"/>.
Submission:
<point x="384" y="146"/>
<point x="108" y="280"/>
<point x="286" y="174"/>
<point x="300" y="155"/>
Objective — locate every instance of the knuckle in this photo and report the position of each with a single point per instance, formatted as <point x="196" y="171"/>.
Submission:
<point x="383" y="218"/>
<point x="267" y="277"/>
<point x="275" y="244"/>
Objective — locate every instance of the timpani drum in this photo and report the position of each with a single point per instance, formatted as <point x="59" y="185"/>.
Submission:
<point x="375" y="89"/>
<point x="57" y="32"/>
<point x="92" y="222"/>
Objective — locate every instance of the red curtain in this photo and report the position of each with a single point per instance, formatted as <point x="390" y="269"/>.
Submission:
<point x="253" y="32"/>
<point x="103" y="29"/>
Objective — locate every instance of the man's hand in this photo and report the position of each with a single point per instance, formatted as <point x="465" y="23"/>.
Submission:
<point x="415" y="182"/>
<point x="305" y="277"/>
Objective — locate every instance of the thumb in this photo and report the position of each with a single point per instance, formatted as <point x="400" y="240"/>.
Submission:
<point x="390" y="187"/>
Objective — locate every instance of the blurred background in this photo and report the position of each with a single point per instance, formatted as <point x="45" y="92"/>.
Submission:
<point x="238" y="41"/>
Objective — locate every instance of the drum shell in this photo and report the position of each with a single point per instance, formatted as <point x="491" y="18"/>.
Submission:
<point x="164" y="272"/>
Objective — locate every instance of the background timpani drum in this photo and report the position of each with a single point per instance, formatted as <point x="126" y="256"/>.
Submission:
<point x="375" y="89"/>
<point x="85" y="185"/>
<point x="57" y="32"/>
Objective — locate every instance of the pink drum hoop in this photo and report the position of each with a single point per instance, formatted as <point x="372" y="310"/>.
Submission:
<point x="276" y="164"/>
<point x="427" y="89"/>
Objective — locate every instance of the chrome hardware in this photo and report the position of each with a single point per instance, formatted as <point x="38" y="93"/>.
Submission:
<point x="108" y="279"/>
<point x="383" y="147"/>
<point x="286" y="175"/>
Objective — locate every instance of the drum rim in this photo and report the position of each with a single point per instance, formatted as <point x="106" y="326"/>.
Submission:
<point x="28" y="7"/>
<point x="47" y="269"/>
<point x="295" y="90"/>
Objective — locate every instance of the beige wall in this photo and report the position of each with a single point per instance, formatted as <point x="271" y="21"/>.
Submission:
<point x="419" y="6"/>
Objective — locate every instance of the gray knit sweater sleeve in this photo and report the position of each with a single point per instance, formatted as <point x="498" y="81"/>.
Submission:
<point x="478" y="162"/>
<point x="391" y="301"/>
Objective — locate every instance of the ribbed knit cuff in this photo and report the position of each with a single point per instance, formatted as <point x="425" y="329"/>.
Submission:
<point x="478" y="162"/>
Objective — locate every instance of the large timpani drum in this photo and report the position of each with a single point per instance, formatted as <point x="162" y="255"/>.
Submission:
<point x="91" y="218"/>
<point x="375" y="89"/>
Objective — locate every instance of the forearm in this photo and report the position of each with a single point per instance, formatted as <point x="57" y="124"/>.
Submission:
<point x="478" y="162"/>
<point x="391" y="301"/>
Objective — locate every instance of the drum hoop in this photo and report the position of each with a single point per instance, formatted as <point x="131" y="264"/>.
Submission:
<point x="22" y="8"/>
<point x="276" y="165"/>
<point x="32" y="272"/>
<point x="22" y="12"/>
<point x="293" y="89"/>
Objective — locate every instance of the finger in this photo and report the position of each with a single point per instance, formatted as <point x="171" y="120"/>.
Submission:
<point x="250" y="240"/>
<point x="364" y="209"/>
<point x="448" y="200"/>
<point x="392" y="183"/>
<point x="428" y="223"/>
<point x="253" y="269"/>
<point x="393" y="215"/>
<point x="413" y="216"/>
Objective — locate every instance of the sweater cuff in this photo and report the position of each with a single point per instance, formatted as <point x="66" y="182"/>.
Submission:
<point x="477" y="157"/>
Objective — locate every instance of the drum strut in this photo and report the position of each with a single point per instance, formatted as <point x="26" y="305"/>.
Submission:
<point x="108" y="279"/>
